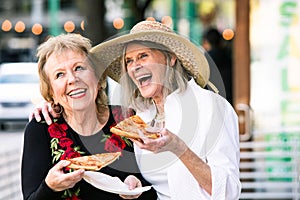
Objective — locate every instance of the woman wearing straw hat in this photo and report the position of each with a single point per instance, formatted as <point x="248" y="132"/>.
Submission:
<point x="162" y="75"/>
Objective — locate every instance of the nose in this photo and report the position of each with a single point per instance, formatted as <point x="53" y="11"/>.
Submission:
<point x="72" y="78"/>
<point x="136" y="67"/>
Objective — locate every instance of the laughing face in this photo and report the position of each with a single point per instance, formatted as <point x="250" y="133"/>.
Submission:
<point x="73" y="81"/>
<point x="147" y="69"/>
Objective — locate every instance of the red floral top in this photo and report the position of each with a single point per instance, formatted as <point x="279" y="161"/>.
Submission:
<point x="41" y="150"/>
<point x="62" y="146"/>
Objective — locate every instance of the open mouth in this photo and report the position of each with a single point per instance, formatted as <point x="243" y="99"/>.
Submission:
<point x="77" y="92"/>
<point x="144" y="79"/>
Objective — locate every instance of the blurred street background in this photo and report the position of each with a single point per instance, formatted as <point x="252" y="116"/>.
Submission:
<point x="261" y="39"/>
<point x="10" y="155"/>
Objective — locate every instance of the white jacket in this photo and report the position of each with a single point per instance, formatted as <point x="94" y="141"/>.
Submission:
<point x="208" y="124"/>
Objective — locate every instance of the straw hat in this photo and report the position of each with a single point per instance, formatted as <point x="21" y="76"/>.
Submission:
<point x="192" y="58"/>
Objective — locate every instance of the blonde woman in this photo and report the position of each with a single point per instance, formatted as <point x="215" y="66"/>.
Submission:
<point x="76" y="91"/>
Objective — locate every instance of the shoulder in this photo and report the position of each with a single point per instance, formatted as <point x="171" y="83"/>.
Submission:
<point x="36" y="131"/>
<point x="42" y="127"/>
<point x="206" y="93"/>
<point x="218" y="103"/>
<point x="34" y="125"/>
<point x="211" y="101"/>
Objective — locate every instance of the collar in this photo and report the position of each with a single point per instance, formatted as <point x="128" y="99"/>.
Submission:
<point x="149" y="114"/>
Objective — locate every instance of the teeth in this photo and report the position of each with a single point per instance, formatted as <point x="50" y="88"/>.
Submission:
<point x="143" y="77"/>
<point x="75" y="92"/>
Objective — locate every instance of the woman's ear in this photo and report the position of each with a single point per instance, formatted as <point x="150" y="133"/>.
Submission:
<point x="173" y="60"/>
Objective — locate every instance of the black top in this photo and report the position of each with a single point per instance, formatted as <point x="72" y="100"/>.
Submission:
<point x="37" y="160"/>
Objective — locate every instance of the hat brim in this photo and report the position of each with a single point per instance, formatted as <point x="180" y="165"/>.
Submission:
<point x="108" y="54"/>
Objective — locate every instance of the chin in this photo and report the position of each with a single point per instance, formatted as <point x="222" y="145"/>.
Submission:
<point x="146" y="95"/>
<point x="149" y="92"/>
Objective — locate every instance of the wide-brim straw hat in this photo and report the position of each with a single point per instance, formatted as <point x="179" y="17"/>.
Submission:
<point x="109" y="53"/>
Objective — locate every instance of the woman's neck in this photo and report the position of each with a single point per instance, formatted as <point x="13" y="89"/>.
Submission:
<point x="159" y="103"/>
<point x="84" y="123"/>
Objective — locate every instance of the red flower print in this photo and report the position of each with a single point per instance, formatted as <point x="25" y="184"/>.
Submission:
<point x="74" y="197"/>
<point x="114" y="143"/>
<point x="56" y="130"/>
<point x="65" y="142"/>
<point x="62" y="149"/>
<point x="119" y="114"/>
<point x="63" y="126"/>
<point x="69" y="153"/>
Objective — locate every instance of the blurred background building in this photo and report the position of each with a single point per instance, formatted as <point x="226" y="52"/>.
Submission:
<point x="264" y="37"/>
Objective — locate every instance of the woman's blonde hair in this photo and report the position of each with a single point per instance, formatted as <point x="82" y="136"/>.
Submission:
<point x="59" y="44"/>
<point x="176" y="78"/>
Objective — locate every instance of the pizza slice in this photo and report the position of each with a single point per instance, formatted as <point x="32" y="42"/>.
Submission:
<point x="93" y="162"/>
<point x="130" y="128"/>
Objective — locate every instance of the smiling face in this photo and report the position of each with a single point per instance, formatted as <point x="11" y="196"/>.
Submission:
<point x="147" y="69"/>
<point x="73" y="81"/>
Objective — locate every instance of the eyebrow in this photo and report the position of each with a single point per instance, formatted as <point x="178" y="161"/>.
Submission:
<point x="141" y="52"/>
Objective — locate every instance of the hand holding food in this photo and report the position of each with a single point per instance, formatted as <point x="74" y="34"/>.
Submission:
<point x="130" y="128"/>
<point x="57" y="180"/>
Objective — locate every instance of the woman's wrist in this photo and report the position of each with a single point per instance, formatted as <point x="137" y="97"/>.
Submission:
<point x="179" y="148"/>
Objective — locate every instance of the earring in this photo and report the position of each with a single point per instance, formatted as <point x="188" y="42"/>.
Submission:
<point x="58" y="109"/>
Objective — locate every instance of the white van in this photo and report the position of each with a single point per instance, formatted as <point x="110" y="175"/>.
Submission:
<point x="19" y="90"/>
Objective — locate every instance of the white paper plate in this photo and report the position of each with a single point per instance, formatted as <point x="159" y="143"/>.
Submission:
<point x="111" y="184"/>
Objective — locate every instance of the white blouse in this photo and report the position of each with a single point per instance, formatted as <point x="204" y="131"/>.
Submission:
<point x="208" y="124"/>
